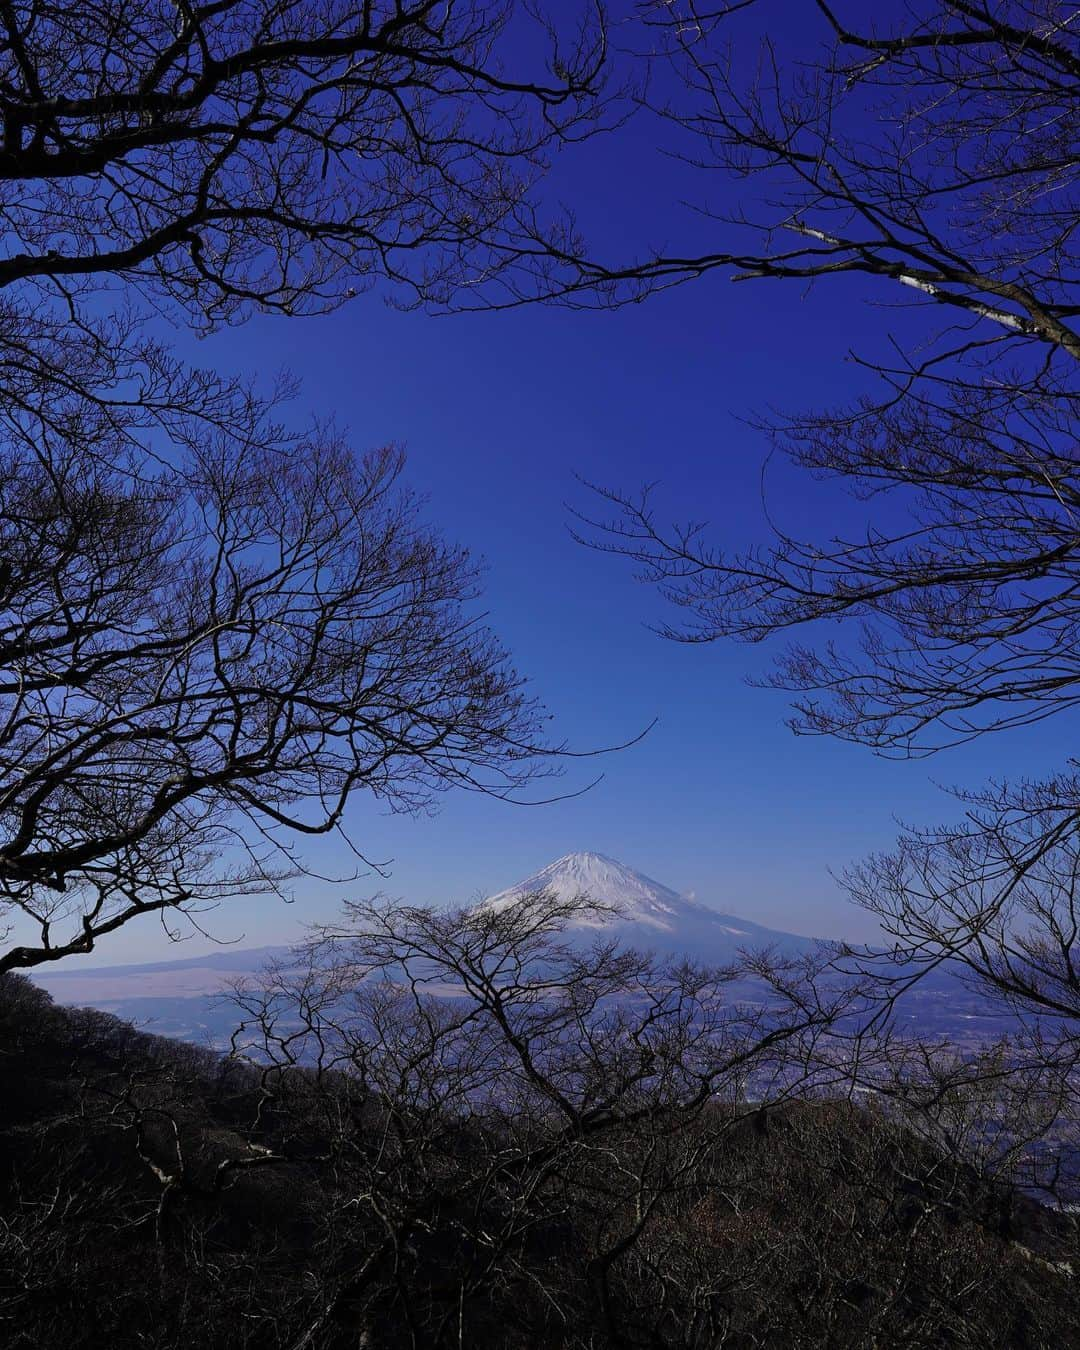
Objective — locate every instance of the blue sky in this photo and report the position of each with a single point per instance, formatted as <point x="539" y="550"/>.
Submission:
<point x="499" y="412"/>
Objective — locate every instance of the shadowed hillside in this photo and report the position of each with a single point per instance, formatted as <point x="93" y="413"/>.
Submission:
<point x="152" y="1194"/>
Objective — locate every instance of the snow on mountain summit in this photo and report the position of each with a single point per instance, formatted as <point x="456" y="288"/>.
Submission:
<point x="646" y="909"/>
<point x="637" y="898"/>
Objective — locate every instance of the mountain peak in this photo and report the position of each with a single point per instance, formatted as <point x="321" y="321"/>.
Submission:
<point x="647" y="911"/>
<point x="636" y="897"/>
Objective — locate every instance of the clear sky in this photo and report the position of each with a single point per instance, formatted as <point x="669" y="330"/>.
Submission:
<point x="499" y="412"/>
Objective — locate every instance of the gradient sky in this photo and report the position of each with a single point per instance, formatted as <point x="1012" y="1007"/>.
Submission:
<point x="499" y="412"/>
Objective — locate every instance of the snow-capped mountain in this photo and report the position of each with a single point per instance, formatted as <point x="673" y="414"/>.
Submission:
<point x="649" y="914"/>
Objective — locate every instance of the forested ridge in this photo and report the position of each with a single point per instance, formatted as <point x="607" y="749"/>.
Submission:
<point x="156" y="1194"/>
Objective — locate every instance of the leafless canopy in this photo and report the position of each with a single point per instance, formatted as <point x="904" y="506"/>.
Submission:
<point x="938" y="152"/>
<point x="215" y="626"/>
<point x="932" y="150"/>
<point x="490" y="1086"/>
<point x="931" y="145"/>
<point x="277" y="152"/>
<point x="205" y="655"/>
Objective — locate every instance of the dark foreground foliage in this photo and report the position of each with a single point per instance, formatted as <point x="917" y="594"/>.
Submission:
<point x="153" y="1195"/>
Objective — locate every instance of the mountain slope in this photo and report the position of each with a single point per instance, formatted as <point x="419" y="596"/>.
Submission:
<point x="655" y="917"/>
<point x="648" y="913"/>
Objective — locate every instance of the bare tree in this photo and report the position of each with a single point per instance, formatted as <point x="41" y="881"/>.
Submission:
<point x="213" y="627"/>
<point x="277" y="153"/>
<point x="933" y="149"/>
<point x="534" y="1141"/>
<point x="498" y="1097"/>
<point x="536" y="1162"/>
<point x="201" y="659"/>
